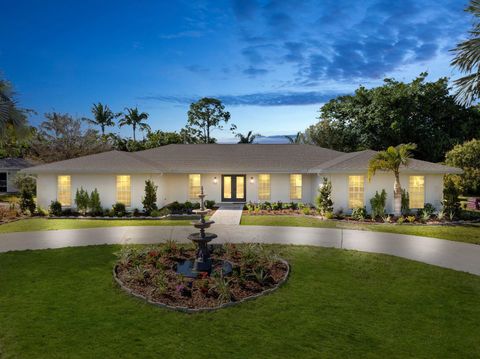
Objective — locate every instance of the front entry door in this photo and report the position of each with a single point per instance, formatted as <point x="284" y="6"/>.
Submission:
<point x="233" y="188"/>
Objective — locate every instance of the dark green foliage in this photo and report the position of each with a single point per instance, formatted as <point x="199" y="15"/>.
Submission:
<point x="82" y="200"/>
<point x="27" y="202"/>
<point x="427" y="211"/>
<point x="359" y="213"/>
<point x="451" y="202"/>
<point x="55" y="209"/>
<point x="209" y="204"/>
<point x="95" y="204"/>
<point x="26" y="182"/>
<point x="324" y="198"/>
<point x="466" y="157"/>
<point x="378" y="204"/>
<point x="421" y="112"/>
<point x="405" y="202"/>
<point x="119" y="209"/>
<point x="150" y="200"/>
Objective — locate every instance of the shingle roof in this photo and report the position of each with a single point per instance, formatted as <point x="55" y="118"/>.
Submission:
<point x="225" y="158"/>
<point x="358" y="162"/>
<point x="14" y="163"/>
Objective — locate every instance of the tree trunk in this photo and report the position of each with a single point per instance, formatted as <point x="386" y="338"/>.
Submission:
<point x="134" y="139"/>
<point x="397" y="196"/>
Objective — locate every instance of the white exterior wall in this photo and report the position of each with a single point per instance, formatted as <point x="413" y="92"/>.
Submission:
<point x="433" y="188"/>
<point x="174" y="187"/>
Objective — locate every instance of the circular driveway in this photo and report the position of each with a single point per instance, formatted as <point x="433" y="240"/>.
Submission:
<point x="448" y="254"/>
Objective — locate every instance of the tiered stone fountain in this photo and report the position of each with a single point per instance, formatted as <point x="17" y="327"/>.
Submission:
<point x="202" y="262"/>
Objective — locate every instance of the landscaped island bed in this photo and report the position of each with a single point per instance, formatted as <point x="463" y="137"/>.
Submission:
<point x="151" y="274"/>
<point x="336" y="304"/>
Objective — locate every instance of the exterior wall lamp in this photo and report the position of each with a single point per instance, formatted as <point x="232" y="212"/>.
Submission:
<point x="215" y="180"/>
<point x="251" y="179"/>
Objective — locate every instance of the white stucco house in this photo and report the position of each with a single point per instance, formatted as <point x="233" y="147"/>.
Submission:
<point x="235" y="173"/>
<point x="9" y="167"/>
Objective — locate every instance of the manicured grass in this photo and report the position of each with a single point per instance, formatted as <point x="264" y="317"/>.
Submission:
<point x="336" y="304"/>
<point x="460" y="233"/>
<point x="44" y="224"/>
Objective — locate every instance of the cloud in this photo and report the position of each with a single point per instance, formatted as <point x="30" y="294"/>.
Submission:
<point x="254" y="71"/>
<point x="181" y="34"/>
<point x="257" y="99"/>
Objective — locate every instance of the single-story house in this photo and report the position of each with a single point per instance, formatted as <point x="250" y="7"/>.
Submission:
<point x="9" y="168"/>
<point x="235" y="173"/>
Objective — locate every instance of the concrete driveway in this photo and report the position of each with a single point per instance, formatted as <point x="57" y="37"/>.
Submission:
<point x="454" y="255"/>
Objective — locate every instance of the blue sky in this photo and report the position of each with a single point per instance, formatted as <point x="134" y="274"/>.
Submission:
<point x="273" y="63"/>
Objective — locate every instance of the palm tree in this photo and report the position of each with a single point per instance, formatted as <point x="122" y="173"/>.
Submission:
<point x="391" y="160"/>
<point x="134" y="118"/>
<point x="299" y="138"/>
<point x="103" y="116"/>
<point x="467" y="60"/>
<point x="10" y="115"/>
<point x="249" y="138"/>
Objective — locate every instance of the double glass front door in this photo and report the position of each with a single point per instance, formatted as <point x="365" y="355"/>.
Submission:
<point x="233" y="188"/>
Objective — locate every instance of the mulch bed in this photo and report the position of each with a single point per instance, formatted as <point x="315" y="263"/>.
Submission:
<point x="150" y="274"/>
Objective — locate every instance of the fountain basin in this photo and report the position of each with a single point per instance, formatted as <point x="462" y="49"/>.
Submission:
<point x="197" y="237"/>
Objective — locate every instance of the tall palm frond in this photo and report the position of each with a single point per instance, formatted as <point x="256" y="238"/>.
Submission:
<point x="299" y="138"/>
<point x="135" y="119"/>
<point x="467" y="60"/>
<point x="249" y="138"/>
<point x="103" y="116"/>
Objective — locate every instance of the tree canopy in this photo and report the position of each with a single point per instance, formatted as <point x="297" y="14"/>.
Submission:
<point x="466" y="157"/>
<point x="396" y="112"/>
<point x="205" y="115"/>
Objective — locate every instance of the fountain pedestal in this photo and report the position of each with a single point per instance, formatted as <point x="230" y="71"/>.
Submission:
<point x="202" y="262"/>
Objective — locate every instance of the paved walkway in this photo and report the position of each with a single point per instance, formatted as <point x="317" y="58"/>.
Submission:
<point x="229" y="213"/>
<point x="455" y="255"/>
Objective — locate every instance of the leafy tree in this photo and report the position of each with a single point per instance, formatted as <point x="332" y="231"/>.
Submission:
<point x="451" y="203"/>
<point x="135" y="119"/>
<point x="103" y="116"/>
<point x="150" y="200"/>
<point x="466" y="157"/>
<point x="421" y="112"/>
<point x="82" y="200"/>
<point x="160" y="138"/>
<point x="205" y="115"/>
<point x="26" y="182"/>
<point x="10" y="114"/>
<point x="248" y="138"/>
<point x="391" y="160"/>
<point x="94" y="203"/>
<point x="324" y="198"/>
<point x="467" y="59"/>
<point x="60" y="137"/>
<point x="298" y="139"/>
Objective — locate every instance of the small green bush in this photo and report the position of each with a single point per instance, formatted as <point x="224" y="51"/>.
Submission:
<point x="378" y="204"/>
<point x="156" y="213"/>
<point x="209" y="204"/>
<point x="27" y="203"/>
<point x="405" y="209"/>
<point x="94" y="204"/>
<point x="329" y="215"/>
<point x="324" y="198"/>
<point x="427" y="211"/>
<point x="451" y="202"/>
<point x="119" y="209"/>
<point x="150" y="200"/>
<point x="55" y="209"/>
<point x="306" y="210"/>
<point x="400" y="220"/>
<point x="359" y="213"/>
<point x="82" y="200"/>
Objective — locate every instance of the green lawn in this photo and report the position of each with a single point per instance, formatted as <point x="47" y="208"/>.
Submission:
<point x="463" y="233"/>
<point x="337" y="304"/>
<point x="44" y="224"/>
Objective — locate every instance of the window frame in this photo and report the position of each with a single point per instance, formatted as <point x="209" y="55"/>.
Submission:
<point x="350" y="193"/>
<point x="267" y="187"/>
<point x="296" y="191"/>
<point x="59" y="191"/>
<point x="191" y="194"/>
<point x="117" y="197"/>
<point x="414" y="192"/>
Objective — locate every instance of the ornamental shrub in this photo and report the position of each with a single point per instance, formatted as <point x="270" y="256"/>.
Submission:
<point x="324" y="198"/>
<point x="27" y="203"/>
<point x="359" y="213"/>
<point x="82" y="200"/>
<point x="150" y="200"/>
<point x="55" y="209"/>
<point x="119" y="209"/>
<point x="378" y="204"/>
<point x="405" y="209"/>
<point x="451" y="203"/>
<point x="94" y="203"/>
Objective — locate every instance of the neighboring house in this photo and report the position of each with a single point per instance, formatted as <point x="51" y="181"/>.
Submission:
<point x="235" y="173"/>
<point x="9" y="168"/>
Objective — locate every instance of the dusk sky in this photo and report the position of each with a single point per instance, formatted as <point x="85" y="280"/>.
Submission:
<point x="273" y="63"/>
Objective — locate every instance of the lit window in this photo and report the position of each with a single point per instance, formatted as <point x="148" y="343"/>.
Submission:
<point x="355" y="191"/>
<point x="416" y="191"/>
<point x="264" y="187"/>
<point x="124" y="192"/>
<point x="296" y="186"/>
<point x="64" y="190"/>
<point x="194" y="186"/>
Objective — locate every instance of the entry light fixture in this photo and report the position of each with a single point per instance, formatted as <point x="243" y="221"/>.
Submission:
<point x="215" y="180"/>
<point x="251" y="179"/>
